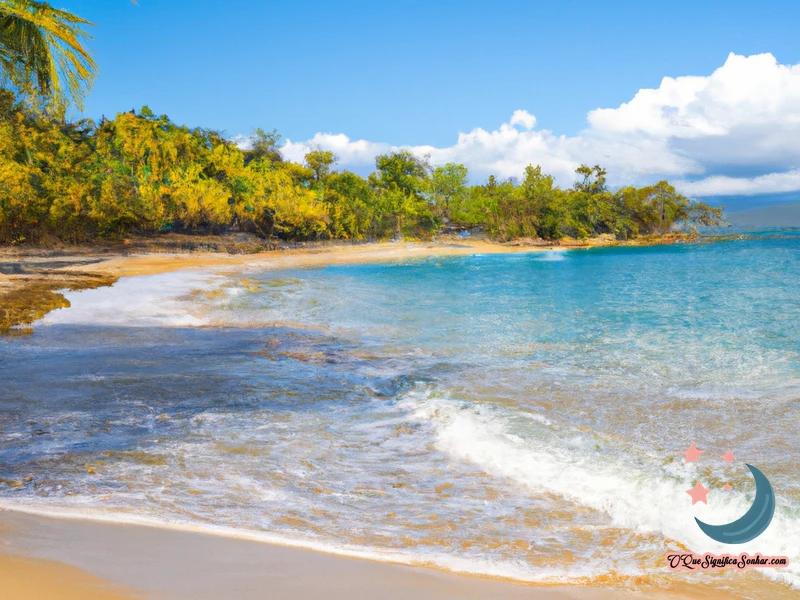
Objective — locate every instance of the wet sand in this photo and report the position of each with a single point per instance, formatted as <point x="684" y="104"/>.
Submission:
<point x="66" y="559"/>
<point x="30" y="285"/>
<point x="152" y="264"/>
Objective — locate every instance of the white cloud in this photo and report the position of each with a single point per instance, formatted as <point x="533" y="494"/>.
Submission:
<point x="774" y="183"/>
<point x="523" y="118"/>
<point x="744" y="117"/>
<point x="350" y="153"/>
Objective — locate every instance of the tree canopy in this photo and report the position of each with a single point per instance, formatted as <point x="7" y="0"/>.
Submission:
<point x="142" y="173"/>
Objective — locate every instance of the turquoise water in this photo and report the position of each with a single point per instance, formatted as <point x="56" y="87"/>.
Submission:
<point x="518" y="415"/>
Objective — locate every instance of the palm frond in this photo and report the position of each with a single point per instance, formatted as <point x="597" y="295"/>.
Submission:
<point x="41" y="46"/>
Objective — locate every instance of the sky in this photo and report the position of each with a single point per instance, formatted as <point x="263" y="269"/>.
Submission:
<point x="705" y="94"/>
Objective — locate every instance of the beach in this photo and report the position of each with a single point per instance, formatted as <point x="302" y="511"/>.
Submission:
<point x="30" y="288"/>
<point x="450" y="320"/>
<point x="65" y="559"/>
<point x="30" y="278"/>
<point x="288" y="425"/>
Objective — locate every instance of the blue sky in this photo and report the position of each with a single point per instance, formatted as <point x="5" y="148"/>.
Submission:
<point x="415" y="73"/>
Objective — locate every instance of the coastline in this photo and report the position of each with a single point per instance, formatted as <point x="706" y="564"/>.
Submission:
<point x="100" y="560"/>
<point x="30" y="279"/>
<point x="81" y="558"/>
<point x="109" y="555"/>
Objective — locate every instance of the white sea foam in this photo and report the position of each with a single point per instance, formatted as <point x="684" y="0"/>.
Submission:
<point x="551" y="256"/>
<point x="637" y="494"/>
<point x="148" y="300"/>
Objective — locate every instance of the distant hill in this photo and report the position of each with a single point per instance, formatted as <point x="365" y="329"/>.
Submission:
<point x="781" y="215"/>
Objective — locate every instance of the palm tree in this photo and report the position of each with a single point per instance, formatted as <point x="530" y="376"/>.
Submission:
<point x="41" y="51"/>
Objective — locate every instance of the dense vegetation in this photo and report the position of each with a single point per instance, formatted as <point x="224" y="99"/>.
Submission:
<point x="141" y="173"/>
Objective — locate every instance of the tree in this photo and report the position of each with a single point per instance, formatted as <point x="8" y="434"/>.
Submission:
<point x="320" y="162"/>
<point x="400" y="182"/>
<point x="402" y="170"/>
<point x="594" y="179"/>
<point x="352" y="207"/>
<point x="142" y="173"/>
<point x="41" y="50"/>
<point x="265" y="146"/>
<point x="448" y="187"/>
<point x="664" y="208"/>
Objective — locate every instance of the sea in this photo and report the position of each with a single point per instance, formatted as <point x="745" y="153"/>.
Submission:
<point x="519" y="416"/>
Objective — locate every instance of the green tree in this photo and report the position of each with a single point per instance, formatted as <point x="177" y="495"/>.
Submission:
<point x="447" y="188"/>
<point x="320" y="162"/>
<point x="352" y="208"/>
<point x="400" y="182"/>
<point x="142" y="173"/>
<point x="265" y="146"/>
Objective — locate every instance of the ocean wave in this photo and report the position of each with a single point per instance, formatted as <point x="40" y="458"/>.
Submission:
<point x="638" y="493"/>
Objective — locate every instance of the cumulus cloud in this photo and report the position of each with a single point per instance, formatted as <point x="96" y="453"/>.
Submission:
<point x="705" y="132"/>
<point x="351" y="153"/>
<point x="523" y="118"/>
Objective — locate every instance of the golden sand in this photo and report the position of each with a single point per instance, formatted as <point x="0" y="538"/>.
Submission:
<point x="25" y="298"/>
<point x="152" y="264"/>
<point x="28" y="579"/>
<point x="177" y="562"/>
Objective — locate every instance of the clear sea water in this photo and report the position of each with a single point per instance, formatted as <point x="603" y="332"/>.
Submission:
<point x="513" y="415"/>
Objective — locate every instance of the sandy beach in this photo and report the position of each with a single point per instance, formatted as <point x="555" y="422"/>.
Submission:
<point x="154" y="263"/>
<point x="75" y="558"/>
<point x="68" y="559"/>
<point x="30" y="285"/>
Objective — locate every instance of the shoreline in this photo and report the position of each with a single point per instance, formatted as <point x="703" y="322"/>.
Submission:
<point x="402" y="575"/>
<point x="31" y="279"/>
<point x="111" y="561"/>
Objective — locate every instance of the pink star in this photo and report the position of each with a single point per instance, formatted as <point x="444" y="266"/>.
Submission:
<point x="698" y="493"/>
<point x="727" y="488"/>
<point x="728" y="457"/>
<point x="692" y="454"/>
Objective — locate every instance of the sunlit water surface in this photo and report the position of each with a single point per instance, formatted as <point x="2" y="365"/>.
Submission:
<point x="513" y="415"/>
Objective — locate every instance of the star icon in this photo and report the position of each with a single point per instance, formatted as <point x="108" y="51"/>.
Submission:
<point x="728" y="457"/>
<point x="727" y="487"/>
<point x="692" y="454"/>
<point x="698" y="493"/>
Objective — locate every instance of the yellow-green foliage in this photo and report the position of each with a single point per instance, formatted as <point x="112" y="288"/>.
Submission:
<point x="141" y="173"/>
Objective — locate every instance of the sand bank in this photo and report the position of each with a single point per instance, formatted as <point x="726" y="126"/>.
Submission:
<point x="29" y="288"/>
<point x="177" y="565"/>
<point x="155" y="263"/>
<point x="30" y="278"/>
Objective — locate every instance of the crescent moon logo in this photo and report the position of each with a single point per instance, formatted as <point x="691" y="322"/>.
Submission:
<point x="753" y="523"/>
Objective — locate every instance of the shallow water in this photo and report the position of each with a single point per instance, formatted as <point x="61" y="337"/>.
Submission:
<point x="515" y="415"/>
